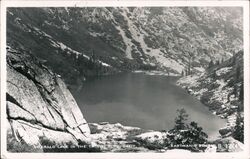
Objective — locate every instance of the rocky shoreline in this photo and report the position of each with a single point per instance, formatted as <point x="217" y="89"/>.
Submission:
<point x="156" y="73"/>
<point x="190" y="84"/>
<point x="119" y="138"/>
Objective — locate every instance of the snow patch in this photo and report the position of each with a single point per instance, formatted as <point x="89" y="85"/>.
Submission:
<point x="94" y="34"/>
<point x="223" y="71"/>
<point x="156" y="73"/>
<point x="201" y="69"/>
<point x="152" y="136"/>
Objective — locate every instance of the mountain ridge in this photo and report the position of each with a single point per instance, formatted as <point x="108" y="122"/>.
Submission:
<point x="168" y="39"/>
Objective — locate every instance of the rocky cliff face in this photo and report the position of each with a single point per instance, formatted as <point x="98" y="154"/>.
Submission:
<point x="40" y="109"/>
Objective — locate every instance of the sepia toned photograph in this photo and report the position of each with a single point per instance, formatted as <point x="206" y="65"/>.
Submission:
<point x="125" y="79"/>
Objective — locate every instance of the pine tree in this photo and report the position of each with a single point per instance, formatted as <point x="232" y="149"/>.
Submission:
<point x="241" y="93"/>
<point x="235" y="90"/>
<point x="237" y="73"/>
<point x="238" y="133"/>
<point x="180" y="120"/>
<point x="211" y="64"/>
<point x="217" y="62"/>
<point x="186" y="72"/>
<point x="186" y="134"/>
<point x="233" y="59"/>
<point x="214" y="74"/>
<point x="222" y="60"/>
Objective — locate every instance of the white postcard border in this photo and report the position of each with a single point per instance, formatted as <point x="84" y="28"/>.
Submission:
<point x="127" y="3"/>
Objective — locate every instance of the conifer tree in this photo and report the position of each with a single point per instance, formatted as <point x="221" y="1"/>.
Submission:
<point x="222" y="60"/>
<point x="186" y="134"/>
<point x="238" y="133"/>
<point x="214" y="74"/>
<point x="218" y="62"/>
<point x="211" y="64"/>
<point x="233" y="59"/>
<point x="180" y="120"/>
<point x="241" y="93"/>
<point x="186" y="72"/>
<point x="237" y="73"/>
<point x="235" y="90"/>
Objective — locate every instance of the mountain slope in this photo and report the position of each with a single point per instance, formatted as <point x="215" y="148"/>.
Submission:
<point x="168" y="39"/>
<point x="221" y="88"/>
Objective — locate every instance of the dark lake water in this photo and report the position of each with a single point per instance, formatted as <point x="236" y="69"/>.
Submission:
<point x="149" y="102"/>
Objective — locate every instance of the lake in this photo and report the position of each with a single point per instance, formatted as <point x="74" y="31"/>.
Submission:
<point x="148" y="102"/>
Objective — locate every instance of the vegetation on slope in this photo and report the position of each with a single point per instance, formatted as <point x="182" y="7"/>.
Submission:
<point x="221" y="88"/>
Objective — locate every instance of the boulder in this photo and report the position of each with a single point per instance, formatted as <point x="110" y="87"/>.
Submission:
<point x="226" y="131"/>
<point x="229" y="144"/>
